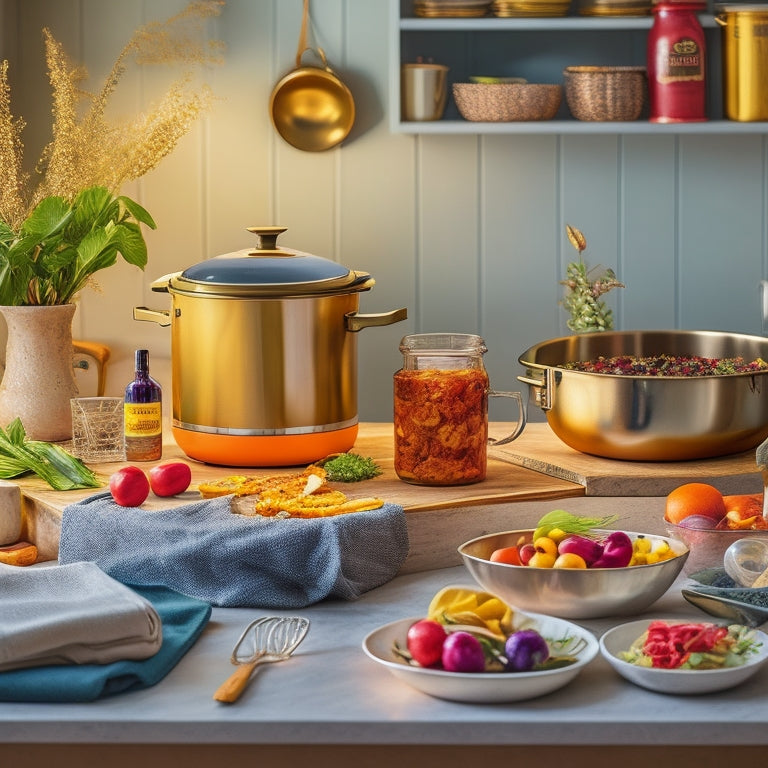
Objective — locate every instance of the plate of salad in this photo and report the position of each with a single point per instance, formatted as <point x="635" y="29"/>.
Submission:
<point x="681" y="657"/>
<point x="461" y="651"/>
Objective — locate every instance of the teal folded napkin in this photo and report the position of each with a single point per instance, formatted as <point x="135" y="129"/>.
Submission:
<point x="183" y="619"/>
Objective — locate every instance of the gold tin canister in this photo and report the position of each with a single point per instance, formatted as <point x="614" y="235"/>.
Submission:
<point x="745" y="61"/>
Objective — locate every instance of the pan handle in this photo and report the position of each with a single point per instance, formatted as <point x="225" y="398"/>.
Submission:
<point x="356" y="322"/>
<point x="541" y="389"/>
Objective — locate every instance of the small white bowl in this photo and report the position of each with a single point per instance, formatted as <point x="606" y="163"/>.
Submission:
<point x="482" y="687"/>
<point x="675" y="681"/>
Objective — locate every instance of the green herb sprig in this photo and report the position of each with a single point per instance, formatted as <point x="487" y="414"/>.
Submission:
<point x="350" y="468"/>
<point x="570" y="523"/>
<point x="50" y="462"/>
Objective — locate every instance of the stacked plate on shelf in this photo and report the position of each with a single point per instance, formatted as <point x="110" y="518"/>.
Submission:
<point x="614" y="7"/>
<point x="507" y="8"/>
<point x="455" y="8"/>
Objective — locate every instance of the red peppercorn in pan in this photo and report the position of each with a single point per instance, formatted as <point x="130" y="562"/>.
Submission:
<point x="667" y="365"/>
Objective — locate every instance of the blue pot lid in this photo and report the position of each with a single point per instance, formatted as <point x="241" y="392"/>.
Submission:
<point x="266" y="271"/>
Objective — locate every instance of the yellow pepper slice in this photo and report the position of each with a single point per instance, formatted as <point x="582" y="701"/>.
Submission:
<point x="460" y="605"/>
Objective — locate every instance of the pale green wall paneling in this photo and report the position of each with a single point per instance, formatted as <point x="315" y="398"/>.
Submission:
<point x="721" y="212"/>
<point x="466" y="231"/>
<point x="521" y="248"/>
<point x="648" y="217"/>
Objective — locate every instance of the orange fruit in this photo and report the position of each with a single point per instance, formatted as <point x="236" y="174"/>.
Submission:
<point x="694" y="499"/>
<point x="508" y="555"/>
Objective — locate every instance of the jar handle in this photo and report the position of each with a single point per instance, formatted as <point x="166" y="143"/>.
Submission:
<point x="521" y="422"/>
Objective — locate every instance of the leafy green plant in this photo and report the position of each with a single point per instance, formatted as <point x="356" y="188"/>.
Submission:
<point x="587" y="312"/>
<point x="60" y="245"/>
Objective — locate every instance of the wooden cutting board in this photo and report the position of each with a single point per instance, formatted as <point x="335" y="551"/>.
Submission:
<point x="506" y="482"/>
<point x="538" y="448"/>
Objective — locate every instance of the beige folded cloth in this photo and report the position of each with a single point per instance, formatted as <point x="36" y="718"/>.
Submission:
<point x="72" y="614"/>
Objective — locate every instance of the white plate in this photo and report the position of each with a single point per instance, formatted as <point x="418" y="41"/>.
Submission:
<point x="487" y="688"/>
<point x="675" y="681"/>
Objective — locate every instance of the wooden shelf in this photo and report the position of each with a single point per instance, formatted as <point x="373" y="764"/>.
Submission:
<point x="538" y="48"/>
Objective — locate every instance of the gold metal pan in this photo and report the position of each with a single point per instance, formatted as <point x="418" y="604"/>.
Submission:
<point x="311" y="108"/>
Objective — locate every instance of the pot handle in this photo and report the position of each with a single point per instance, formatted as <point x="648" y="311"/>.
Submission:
<point x="160" y="316"/>
<point x="541" y="389"/>
<point x="355" y="322"/>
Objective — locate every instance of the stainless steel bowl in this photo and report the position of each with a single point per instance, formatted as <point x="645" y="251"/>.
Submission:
<point x="647" y="418"/>
<point x="571" y="593"/>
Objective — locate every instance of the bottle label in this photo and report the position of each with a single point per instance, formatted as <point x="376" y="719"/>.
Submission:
<point x="683" y="62"/>
<point x="143" y="419"/>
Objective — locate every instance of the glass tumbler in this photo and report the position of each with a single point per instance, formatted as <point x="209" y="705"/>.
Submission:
<point x="441" y="410"/>
<point x="97" y="429"/>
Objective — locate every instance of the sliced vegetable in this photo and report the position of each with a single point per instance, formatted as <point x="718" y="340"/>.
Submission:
<point x="570" y="523"/>
<point x="458" y="605"/>
<point x="692" y="646"/>
<point x="50" y="462"/>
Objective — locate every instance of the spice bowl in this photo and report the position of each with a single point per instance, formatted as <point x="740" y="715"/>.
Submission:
<point x="600" y="94"/>
<point x="571" y="593"/>
<point x="507" y="102"/>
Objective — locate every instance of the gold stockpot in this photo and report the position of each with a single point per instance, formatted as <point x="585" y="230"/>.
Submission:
<point x="650" y="418"/>
<point x="264" y="354"/>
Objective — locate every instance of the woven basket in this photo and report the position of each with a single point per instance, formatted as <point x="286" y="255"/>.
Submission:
<point x="507" y="102"/>
<point x="605" y="93"/>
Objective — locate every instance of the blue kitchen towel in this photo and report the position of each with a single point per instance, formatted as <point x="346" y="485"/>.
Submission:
<point x="204" y="550"/>
<point x="183" y="619"/>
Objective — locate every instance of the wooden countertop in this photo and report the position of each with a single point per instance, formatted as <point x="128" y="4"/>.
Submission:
<point x="532" y="472"/>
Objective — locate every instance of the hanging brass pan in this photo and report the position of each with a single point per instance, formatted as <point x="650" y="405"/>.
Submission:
<point x="310" y="107"/>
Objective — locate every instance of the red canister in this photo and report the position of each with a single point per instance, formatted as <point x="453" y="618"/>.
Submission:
<point x="677" y="64"/>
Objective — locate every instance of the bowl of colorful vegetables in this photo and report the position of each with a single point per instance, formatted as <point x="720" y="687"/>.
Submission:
<point x="472" y="647"/>
<point x="684" y="657"/>
<point x="575" y="568"/>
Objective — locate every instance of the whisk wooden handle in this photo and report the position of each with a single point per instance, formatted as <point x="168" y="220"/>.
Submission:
<point x="229" y="691"/>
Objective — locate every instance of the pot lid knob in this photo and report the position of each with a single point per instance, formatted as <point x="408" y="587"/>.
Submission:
<point x="266" y="241"/>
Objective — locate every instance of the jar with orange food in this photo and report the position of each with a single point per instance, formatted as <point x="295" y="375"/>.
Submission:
<point x="441" y="410"/>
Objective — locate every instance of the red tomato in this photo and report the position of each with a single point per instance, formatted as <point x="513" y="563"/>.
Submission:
<point x="425" y="641"/>
<point x="509" y="555"/>
<point x="129" y="487"/>
<point x="170" y="478"/>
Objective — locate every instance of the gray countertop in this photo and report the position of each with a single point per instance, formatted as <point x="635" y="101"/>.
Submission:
<point x="331" y="693"/>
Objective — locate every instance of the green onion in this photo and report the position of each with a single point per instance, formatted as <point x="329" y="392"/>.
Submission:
<point x="569" y="523"/>
<point x="50" y="462"/>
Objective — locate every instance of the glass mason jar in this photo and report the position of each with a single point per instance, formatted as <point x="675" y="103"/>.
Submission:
<point x="441" y="410"/>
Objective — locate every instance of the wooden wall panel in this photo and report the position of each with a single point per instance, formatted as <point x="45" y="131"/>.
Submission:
<point x="721" y="216"/>
<point x="648" y="221"/>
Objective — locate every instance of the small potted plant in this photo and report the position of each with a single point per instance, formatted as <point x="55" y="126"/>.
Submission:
<point x="588" y="313"/>
<point x="68" y="220"/>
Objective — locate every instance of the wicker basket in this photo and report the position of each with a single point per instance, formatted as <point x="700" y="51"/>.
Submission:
<point x="606" y="93"/>
<point x="507" y="102"/>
